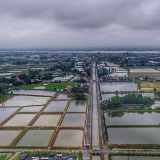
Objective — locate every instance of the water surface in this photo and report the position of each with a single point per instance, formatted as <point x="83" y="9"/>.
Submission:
<point x="118" y="86"/>
<point x="69" y="138"/>
<point x="132" y="118"/>
<point x="31" y="109"/>
<point x="47" y="120"/>
<point x="6" y="112"/>
<point x="36" y="138"/>
<point x="56" y="106"/>
<point x="134" y="135"/>
<point x="74" y="119"/>
<point x="25" y="101"/>
<point x="6" y="137"/>
<point x="77" y="106"/>
<point x="20" y="120"/>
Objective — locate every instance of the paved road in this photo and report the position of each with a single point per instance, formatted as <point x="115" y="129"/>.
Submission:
<point x="101" y="115"/>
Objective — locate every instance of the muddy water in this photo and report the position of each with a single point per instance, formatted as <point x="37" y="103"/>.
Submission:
<point x="134" y="135"/>
<point x="56" y="106"/>
<point x="6" y="137"/>
<point x="36" y="138"/>
<point x="69" y="138"/>
<point x="47" y="120"/>
<point x="132" y="118"/>
<point x="20" y="120"/>
<point x="25" y="101"/>
<point x="74" y="119"/>
<point x="5" y="112"/>
<point x="77" y="106"/>
<point x="118" y="86"/>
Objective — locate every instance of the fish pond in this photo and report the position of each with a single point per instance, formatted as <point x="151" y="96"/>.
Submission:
<point x="56" y="106"/>
<point x="74" y="119"/>
<point x="47" y="120"/>
<point x="5" y="112"/>
<point x="20" y="120"/>
<point x="134" y="135"/>
<point x="25" y="101"/>
<point x="36" y="138"/>
<point x="118" y="86"/>
<point x="8" y="136"/>
<point x="132" y="118"/>
<point x="77" y="106"/>
<point x="69" y="138"/>
<point x="31" y="109"/>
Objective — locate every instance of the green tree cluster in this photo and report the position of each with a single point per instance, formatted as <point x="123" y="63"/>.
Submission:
<point x="3" y="156"/>
<point x="116" y="101"/>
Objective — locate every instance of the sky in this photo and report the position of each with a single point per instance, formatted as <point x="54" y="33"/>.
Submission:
<point x="79" y="23"/>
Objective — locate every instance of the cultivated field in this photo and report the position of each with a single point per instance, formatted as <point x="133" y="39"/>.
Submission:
<point x="150" y="84"/>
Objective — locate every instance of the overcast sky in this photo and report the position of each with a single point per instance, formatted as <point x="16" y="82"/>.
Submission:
<point x="79" y="23"/>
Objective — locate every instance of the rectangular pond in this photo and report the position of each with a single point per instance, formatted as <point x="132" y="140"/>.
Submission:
<point x="77" y="106"/>
<point x="20" y="120"/>
<point x="33" y="92"/>
<point x="132" y="118"/>
<point x="118" y="86"/>
<point x="56" y="106"/>
<point x="135" y="158"/>
<point x="6" y="112"/>
<point x="69" y="138"/>
<point x="47" y="120"/>
<point x="134" y="135"/>
<point x="31" y="109"/>
<point x="7" y="136"/>
<point x="25" y="101"/>
<point x="36" y="138"/>
<point x="74" y="119"/>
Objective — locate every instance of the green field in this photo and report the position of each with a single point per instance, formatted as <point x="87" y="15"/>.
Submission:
<point x="50" y="86"/>
<point x="142" y="74"/>
<point x="150" y="84"/>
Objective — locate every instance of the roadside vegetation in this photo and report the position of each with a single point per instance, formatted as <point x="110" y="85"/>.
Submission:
<point x="80" y="93"/>
<point x="3" y="156"/>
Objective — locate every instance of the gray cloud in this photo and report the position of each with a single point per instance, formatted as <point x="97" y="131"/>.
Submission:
<point x="53" y="22"/>
<point x="90" y="14"/>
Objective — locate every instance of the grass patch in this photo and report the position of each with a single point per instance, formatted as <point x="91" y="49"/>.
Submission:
<point x="45" y="72"/>
<point x="150" y="84"/>
<point x="50" y="86"/>
<point x="30" y="86"/>
<point x="4" y="97"/>
<point x="142" y="74"/>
